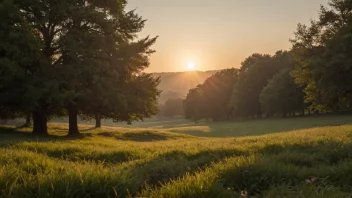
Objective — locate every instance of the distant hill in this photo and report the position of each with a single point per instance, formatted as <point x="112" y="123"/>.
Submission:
<point x="166" y="95"/>
<point x="177" y="84"/>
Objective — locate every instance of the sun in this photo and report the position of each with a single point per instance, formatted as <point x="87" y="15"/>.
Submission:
<point x="191" y="66"/>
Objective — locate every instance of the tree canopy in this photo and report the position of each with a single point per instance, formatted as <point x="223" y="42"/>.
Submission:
<point x="263" y="86"/>
<point x="77" y="58"/>
<point x="85" y="58"/>
<point x="172" y="107"/>
<point x="323" y="51"/>
<point x="212" y="99"/>
<point x="255" y="73"/>
<point x="20" y="59"/>
<point x="282" y="96"/>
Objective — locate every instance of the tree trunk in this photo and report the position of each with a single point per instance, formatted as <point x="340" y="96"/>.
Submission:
<point x="72" y="120"/>
<point x="28" y="120"/>
<point x="40" y="123"/>
<point x="284" y="114"/>
<point x="97" y="121"/>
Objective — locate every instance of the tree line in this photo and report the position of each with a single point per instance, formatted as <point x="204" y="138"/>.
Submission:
<point x="313" y="75"/>
<point x="74" y="58"/>
<point x="84" y="58"/>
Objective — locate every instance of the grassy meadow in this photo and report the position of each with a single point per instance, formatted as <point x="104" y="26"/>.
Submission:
<point x="301" y="157"/>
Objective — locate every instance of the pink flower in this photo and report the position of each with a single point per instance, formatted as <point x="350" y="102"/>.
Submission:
<point x="244" y="193"/>
<point x="308" y="181"/>
<point x="314" y="179"/>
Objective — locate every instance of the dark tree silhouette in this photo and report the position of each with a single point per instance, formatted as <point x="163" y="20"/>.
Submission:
<point x="282" y="96"/>
<point x="323" y="51"/>
<point x="212" y="99"/>
<point x="74" y="57"/>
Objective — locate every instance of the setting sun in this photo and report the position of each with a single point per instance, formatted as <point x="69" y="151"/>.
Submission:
<point x="191" y="66"/>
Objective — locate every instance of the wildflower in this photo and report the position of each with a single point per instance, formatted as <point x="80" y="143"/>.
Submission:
<point x="314" y="179"/>
<point x="244" y="193"/>
<point x="308" y="181"/>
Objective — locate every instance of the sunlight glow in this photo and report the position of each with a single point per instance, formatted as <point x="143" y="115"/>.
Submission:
<point x="191" y="66"/>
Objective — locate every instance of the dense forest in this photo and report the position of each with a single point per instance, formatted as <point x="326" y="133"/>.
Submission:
<point x="313" y="76"/>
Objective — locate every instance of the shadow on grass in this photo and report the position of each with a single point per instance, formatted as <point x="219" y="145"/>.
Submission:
<point x="162" y="168"/>
<point x="261" y="126"/>
<point x="176" y="164"/>
<point x="291" y="165"/>
<point x="13" y="135"/>
<point x="18" y="135"/>
<point x="141" y="136"/>
<point x="277" y="165"/>
<point x="80" y="155"/>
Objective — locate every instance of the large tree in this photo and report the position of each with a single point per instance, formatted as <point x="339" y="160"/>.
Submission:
<point x="94" y="33"/>
<point x="20" y="59"/>
<point x="323" y="51"/>
<point x="45" y="19"/>
<point x="212" y="99"/>
<point x="117" y="88"/>
<point x="91" y="61"/>
<point x="282" y="96"/>
<point x="218" y="92"/>
<point x="194" y="104"/>
<point x="255" y="73"/>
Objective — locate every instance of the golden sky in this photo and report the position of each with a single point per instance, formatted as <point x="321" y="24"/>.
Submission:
<point x="218" y="34"/>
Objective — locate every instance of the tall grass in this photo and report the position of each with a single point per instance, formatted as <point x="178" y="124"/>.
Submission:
<point x="121" y="162"/>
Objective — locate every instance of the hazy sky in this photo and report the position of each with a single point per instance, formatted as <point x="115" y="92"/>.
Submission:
<point x="217" y="34"/>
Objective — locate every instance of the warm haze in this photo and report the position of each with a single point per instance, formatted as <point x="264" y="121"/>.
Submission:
<point x="242" y="98"/>
<point x="219" y="34"/>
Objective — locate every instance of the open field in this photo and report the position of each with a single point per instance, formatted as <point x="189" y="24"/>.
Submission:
<point x="170" y="161"/>
<point x="236" y="128"/>
<point x="241" y="128"/>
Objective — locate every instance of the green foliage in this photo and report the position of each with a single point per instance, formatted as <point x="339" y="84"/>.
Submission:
<point x="69" y="57"/>
<point x="136" y="101"/>
<point x="211" y="100"/>
<point x="121" y="162"/>
<point x="323" y="52"/>
<point x="177" y="84"/>
<point x="194" y="103"/>
<point x="172" y="107"/>
<point x="19" y="59"/>
<point x="252" y="60"/>
<point x="167" y="95"/>
<point x="255" y="73"/>
<point x="282" y="96"/>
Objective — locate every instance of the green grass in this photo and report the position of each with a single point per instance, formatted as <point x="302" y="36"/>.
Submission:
<point x="242" y="128"/>
<point x="274" y="161"/>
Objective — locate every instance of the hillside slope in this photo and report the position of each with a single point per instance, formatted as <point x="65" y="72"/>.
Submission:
<point x="177" y="84"/>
